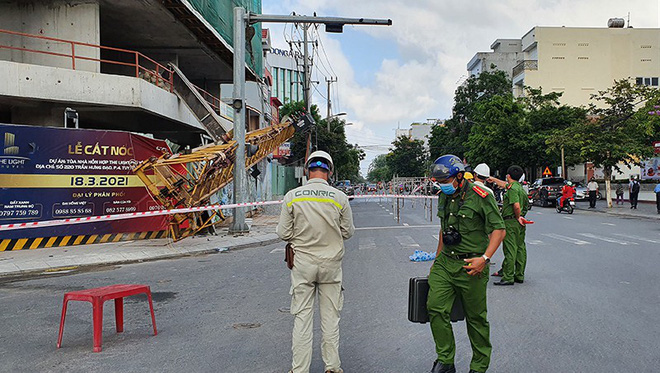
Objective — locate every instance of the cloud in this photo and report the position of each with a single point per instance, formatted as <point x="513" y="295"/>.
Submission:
<point x="435" y="40"/>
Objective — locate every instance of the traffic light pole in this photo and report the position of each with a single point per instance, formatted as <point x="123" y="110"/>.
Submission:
<point x="243" y="19"/>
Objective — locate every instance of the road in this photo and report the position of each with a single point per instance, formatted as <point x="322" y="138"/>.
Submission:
<point x="589" y="304"/>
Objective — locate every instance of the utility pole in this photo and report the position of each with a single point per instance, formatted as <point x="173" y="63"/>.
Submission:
<point x="329" y="81"/>
<point x="563" y="163"/>
<point x="242" y="19"/>
<point x="240" y="181"/>
<point x="306" y="86"/>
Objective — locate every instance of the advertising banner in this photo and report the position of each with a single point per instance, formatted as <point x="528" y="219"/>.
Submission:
<point x="56" y="173"/>
<point x="650" y="169"/>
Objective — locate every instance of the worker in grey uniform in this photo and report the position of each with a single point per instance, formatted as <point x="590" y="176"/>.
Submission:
<point x="316" y="219"/>
<point x="481" y="174"/>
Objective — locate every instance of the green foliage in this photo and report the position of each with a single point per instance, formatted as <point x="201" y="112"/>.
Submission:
<point x="407" y="158"/>
<point x="500" y="139"/>
<point x="346" y="156"/>
<point x="379" y="169"/>
<point x="453" y="137"/>
<point x="619" y="128"/>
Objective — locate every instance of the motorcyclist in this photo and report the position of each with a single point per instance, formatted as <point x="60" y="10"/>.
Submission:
<point x="567" y="192"/>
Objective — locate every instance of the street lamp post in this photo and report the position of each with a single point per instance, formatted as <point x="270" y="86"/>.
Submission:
<point x="241" y="20"/>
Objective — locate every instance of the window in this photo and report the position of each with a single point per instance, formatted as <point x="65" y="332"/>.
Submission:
<point x="651" y="81"/>
<point x="559" y="44"/>
<point x="645" y="46"/>
<point x="583" y="44"/>
<point x="558" y="58"/>
<point x="645" y="60"/>
<point x="583" y="58"/>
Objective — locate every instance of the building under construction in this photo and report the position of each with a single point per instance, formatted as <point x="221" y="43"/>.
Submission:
<point x="153" y="68"/>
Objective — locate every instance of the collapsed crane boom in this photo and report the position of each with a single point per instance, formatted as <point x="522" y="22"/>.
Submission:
<point x="189" y="180"/>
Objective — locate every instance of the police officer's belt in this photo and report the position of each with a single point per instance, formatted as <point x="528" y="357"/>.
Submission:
<point x="510" y="218"/>
<point x="460" y="256"/>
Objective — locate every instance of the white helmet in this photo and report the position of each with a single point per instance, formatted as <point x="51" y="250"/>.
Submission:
<point x="320" y="156"/>
<point x="482" y="170"/>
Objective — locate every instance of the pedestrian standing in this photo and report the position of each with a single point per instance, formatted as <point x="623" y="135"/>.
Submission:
<point x="657" y="196"/>
<point x="619" y="193"/>
<point x="515" y="205"/>
<point x="468" y="215"/>
<point x="592" y="188"/>
<point x="635" y="186"/>
<point x="316" y="219"/>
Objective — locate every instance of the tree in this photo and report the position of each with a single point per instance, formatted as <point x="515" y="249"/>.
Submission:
<point x="618" y="130"/>
<point x="407" y="158"/>
<point x="346" y="156"/>
<point x="453" y="138"/>
<point x="379" y="170"/>
<point x="501" y="136"/>
<point x="546" y="116"/>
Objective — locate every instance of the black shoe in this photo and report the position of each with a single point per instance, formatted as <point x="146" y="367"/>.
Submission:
<point x="503" y="283"/>
<point x="439" y="367"/>
<point x="518" y="281"/>
<point x="499" y="273"/>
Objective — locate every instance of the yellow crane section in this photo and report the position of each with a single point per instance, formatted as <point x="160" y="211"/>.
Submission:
<point x="189" y="180"/>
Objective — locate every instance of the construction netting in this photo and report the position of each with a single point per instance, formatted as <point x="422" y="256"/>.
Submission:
<point x="220" y="14"/>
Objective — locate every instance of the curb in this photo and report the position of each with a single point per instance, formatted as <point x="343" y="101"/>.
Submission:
<point x="62" y="270"/>
<point x="623" y="214"/>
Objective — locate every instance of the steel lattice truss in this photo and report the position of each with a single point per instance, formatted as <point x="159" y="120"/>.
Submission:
<point x="189" y="180"/>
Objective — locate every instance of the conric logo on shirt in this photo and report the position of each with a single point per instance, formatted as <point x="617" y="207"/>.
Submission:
<point x="317" y="193"/>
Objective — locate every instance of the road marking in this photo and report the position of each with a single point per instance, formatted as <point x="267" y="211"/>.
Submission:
<point x="391" y="213"/>
<point x="535" y="242"/>
<point x="568" y="217"/>
<point x="279" y="250"/>
<point x="367" y="243"/>
<point x="398" y="227"/>
<point x="436" y="236"/>
<point x="609" y="224"/>
<point x="537" y="212"/>
<point x="607" y="239"/>
<point x="636" y="238"/>
<point x="559" y="237"/>
<point x="406" y="224"/>
<point x="406" y="241"/>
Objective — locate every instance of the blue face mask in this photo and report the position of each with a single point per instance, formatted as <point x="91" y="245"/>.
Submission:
<point x="448" y="189"/>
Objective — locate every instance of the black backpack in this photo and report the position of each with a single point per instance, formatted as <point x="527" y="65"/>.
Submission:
<point x="635" y="186"/>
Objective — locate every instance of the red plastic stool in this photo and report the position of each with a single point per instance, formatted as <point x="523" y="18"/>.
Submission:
<point x="97" y="297"/>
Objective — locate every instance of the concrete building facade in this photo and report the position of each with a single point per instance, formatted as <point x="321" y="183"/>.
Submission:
<point x="111" y="61"/>
<point x="287" y="71"/>
<point x="578" y="62"/>
<point x="504" y="56"/>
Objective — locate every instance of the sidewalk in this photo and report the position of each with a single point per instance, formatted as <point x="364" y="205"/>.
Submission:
<point x="643" y="211"/>
<point x="63" y="259"/>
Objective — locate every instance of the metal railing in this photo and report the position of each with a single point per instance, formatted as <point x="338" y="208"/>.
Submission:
<point x="135" y="63"/>
<point x="525" y="65"/>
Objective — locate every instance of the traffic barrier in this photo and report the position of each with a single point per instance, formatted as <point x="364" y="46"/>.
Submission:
<point x="133" y="215"/>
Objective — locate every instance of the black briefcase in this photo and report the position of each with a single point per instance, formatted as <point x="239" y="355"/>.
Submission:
<point x="418" y="292"/>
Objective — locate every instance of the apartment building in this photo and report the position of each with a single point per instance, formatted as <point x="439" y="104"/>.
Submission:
<point x="578" y="62"/>
<point x="504" y="56"/>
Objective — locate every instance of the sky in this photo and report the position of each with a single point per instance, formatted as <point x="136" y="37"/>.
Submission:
<point x="408" y="72"/>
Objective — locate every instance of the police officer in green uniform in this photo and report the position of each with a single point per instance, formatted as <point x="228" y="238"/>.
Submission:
<point x="468" y="214"/>
<point x="515" y="205"/>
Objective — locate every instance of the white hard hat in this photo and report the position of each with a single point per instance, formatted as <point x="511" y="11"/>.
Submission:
<point x="482" y="170"/>
<point x="320" y="155"/>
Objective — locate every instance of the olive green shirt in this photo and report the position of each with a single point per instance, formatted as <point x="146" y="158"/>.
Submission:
<point x="474" y="213"/>
<point x="514" y="194"/>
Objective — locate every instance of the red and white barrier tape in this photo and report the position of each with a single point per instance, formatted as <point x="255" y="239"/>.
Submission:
<point x="134" y="215"/>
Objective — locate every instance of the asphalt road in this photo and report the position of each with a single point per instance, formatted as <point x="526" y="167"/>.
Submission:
<point x="589" y="303"/>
